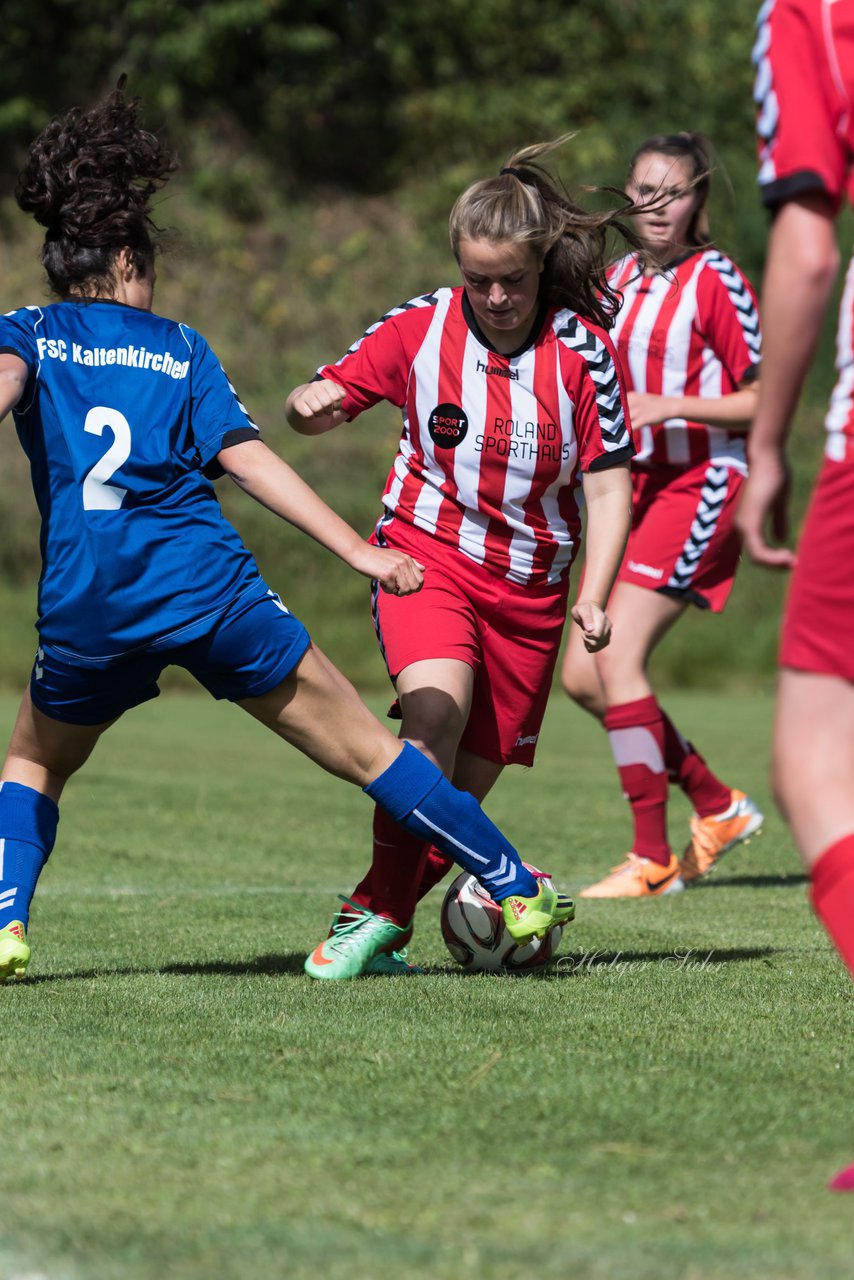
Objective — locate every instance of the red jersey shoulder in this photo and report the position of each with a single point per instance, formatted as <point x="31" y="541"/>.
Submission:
<point x="803" y="59"/>
<point x="597" y="381"/>
<point x="377" y="366"/>
<point x="623" y="270"/>
<point x="728" y="312"/>
<point x="409" y="318"/>
<point x="720" y="273"/>
<point x="577" y="333"/>
<point x="590" y="348"/>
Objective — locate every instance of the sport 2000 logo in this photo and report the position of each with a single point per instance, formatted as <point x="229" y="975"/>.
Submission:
<point x="447" y="425"/>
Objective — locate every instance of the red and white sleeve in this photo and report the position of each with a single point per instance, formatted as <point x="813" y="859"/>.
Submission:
<point x="728" y="318"/>
<point x="601" y="419"/>
<point x="800" y="102"/>
<point x="377" y="367"/>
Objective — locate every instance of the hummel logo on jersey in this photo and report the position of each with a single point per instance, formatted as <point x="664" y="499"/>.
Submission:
<point x="527" y="742"/>
<point x="497" y="371"/>
<point x="447" y="425"/>
<point x="646" y="569"/>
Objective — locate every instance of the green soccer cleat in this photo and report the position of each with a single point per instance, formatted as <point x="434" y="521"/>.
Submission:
<point x="394" y="962"/>
<point x="14" y="952"/>
<point x="526" y="918"/>
<point x="357" y="938"/>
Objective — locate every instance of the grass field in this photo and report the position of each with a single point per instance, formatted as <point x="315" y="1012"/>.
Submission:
<point x="181" y="1101"/>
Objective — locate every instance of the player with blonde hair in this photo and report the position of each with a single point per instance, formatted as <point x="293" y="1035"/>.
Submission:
<point x="511" y="398"/>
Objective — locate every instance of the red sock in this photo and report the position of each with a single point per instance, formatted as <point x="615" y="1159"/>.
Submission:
<point x="687" y="768"/>
<point x="391" y="886"/>
<point x="436" y="867"/>
<point x="636" y="733"/>
<point x="833" y="895"/>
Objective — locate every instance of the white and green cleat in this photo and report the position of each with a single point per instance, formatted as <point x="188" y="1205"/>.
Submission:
<point x="526" y="918"/>
<point x="14" y="951"/>
<point x="358" y="938"/>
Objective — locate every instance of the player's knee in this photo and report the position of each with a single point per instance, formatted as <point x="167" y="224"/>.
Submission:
<point x="61" y="767"/>
<point x="584" y="688"/>
<point x="436" y="733"/>
<point x="442" y="754"/>
<point x="41" y="769"/>
<point x="369" y="766"/>
<point x="581" y="691"/>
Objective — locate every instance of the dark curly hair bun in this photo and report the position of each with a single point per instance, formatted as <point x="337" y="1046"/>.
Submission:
<point x="88" y="179"/>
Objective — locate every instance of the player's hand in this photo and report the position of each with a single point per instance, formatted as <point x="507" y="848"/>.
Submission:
<point x="764" y="501"/>
<point x="647" y="410"/>
<point x="395" y="571"/>
<point x="316" y="399"/>
<point x="594" y="623"/>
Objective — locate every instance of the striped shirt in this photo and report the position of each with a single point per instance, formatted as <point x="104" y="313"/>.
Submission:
<point x="803" y="60"/>
<point x="804" y="86"/>
<point x="692" y="330"/>
<point x="492" y="445"/>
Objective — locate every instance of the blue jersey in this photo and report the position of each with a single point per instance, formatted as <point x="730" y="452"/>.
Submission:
<point x="122" y="413"/>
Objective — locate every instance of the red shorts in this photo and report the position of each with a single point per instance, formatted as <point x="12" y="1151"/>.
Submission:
<point x="683" y="540"/>
<point x="507" y="633"/>
<point x="818" y="622"/>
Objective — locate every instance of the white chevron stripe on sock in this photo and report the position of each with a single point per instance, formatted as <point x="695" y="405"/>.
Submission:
<point x="493" y="876"/>
<point x="448" y="836"/>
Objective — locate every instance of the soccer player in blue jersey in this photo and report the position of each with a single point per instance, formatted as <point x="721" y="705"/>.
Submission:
<point x="125" y="417"/>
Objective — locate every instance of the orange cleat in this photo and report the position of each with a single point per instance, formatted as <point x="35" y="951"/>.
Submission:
<point x="712" y="837"/>
<point x="638" y="878"/>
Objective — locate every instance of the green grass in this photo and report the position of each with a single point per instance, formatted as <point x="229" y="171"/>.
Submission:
<point x="181" y="1101"/>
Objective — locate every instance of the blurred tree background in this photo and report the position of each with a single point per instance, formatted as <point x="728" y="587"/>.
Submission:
<point x="322" y="145"/>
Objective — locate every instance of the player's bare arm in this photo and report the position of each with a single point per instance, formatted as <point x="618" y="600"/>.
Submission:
<point x="13" y="379"/>
<point x="315" y="407"/>
<point x="802" y="263"/>
<point x="608" y="498"/>
<point x="275" y="485"/>
<point x="735" y="411"/>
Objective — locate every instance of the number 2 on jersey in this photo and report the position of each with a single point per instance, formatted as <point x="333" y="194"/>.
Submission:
<point x="97" y="494"/>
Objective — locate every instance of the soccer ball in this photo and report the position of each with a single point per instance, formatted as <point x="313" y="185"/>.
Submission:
<point x="474" y="933"/>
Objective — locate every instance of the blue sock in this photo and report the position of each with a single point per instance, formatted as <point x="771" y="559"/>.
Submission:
<point x="418" y="796"/>
<point x="28" y="822"/>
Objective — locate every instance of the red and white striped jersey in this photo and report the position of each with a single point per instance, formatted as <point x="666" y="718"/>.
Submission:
<point x="692" y="330"/>
<point x="492" y="445"/>
<point x="804" y="92"/>
<point x="804" y="63"/>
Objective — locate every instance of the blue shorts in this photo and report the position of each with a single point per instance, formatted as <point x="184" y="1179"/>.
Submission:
<point x="249" y="650"/>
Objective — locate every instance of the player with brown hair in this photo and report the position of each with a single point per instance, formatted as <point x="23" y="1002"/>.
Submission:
<point x="687" y="332"/>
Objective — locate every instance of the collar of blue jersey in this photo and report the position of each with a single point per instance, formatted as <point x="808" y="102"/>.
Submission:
<point x="530" y="341"/>
<point x="79" y="301"/>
